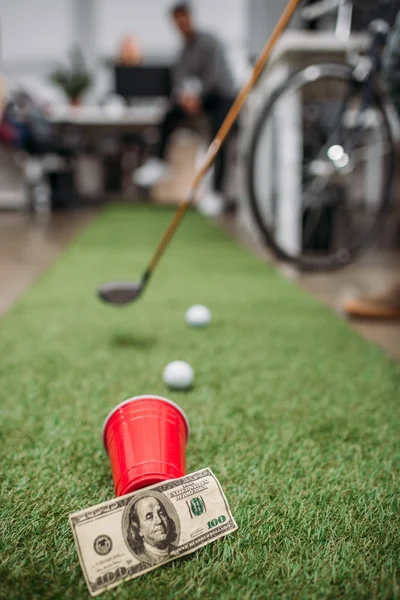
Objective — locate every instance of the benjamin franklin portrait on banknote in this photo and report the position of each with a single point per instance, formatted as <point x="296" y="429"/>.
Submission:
<point x="152" y="529"/>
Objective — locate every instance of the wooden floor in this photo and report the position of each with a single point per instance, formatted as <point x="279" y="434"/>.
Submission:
<point x="374" y="273"/>
<point x="29" y="245"/>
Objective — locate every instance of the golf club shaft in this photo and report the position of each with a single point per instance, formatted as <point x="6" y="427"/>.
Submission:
<point x="221" y="136"/>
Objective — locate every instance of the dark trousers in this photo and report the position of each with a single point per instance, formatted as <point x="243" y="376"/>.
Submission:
<point x="216" y="107"/>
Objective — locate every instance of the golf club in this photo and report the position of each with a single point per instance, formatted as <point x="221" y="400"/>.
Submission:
<point x="124" y="292"/>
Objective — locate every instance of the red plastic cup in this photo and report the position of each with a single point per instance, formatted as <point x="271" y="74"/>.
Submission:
<point x="145" y="438"/>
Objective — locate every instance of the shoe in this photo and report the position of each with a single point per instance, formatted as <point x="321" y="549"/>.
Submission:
<point x="384" y="306"/>
<point x="211" y="204"/>
<point x="150" y="173"/>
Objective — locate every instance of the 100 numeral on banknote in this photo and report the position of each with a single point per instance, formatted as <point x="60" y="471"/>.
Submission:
<point x="131" y="535"/>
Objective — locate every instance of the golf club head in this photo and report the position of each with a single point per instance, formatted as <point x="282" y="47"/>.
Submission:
<point x="120" y="292"/>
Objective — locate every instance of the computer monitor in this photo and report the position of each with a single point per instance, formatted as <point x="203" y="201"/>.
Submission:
<point x="143" y="81"/>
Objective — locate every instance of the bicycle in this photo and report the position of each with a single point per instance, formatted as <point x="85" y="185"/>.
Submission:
<point x="343" y="143"/>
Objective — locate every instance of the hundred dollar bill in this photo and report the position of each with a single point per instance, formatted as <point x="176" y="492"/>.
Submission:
<point x="131" y="535"/>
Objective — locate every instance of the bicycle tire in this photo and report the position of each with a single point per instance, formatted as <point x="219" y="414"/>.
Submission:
<point x="325" y="263"/>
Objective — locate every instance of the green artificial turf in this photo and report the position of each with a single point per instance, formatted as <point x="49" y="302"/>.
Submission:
<point x="297" y="416"/>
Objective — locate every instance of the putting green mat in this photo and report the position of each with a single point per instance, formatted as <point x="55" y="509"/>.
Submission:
<point x="297" y="416"/>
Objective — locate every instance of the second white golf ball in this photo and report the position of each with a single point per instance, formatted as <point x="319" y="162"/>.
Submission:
<point x="198" y="316"/>
<point x="179" y="375"/>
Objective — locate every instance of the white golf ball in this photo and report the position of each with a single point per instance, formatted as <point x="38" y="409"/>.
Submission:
<point x="198" y="316"/>
<point x="179" y="375"/>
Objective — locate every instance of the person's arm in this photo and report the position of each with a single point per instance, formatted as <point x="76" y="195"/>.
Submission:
<point x="186" y="91"/>
<point x="214" y="66"/>
<point x="180" y="73"/>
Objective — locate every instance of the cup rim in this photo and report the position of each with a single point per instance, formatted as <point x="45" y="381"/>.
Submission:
<point x="144" y="397"/>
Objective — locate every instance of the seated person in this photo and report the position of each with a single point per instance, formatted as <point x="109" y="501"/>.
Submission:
<point x="202" y="83"/>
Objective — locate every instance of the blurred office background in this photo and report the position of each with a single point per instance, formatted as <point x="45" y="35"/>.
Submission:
<point x="38" y="37"/>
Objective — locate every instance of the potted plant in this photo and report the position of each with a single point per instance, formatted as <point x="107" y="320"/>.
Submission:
<point x="73" y="79"/>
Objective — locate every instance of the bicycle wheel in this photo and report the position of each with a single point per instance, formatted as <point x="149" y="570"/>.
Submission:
<point x="321" y="167"/>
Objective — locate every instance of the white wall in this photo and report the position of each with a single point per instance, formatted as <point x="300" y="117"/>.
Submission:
<point x="146" y="19"/>
<point x="34" y="35"/>
<point x="34" y="30"/>
<point x="149" y="20"/>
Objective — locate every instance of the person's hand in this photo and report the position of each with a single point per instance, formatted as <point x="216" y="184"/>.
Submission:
<point x="191" y="104"/>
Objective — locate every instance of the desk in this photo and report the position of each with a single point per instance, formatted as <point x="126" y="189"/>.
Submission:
<point x="94" y="123"/>
<point x="140" y="115"/>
